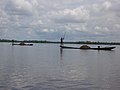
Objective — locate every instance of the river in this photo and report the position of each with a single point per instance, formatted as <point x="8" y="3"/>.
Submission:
<point x="47" y="67"/>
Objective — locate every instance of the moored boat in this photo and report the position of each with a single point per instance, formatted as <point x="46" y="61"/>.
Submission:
<point x="21" y="43"/>
<point x="24" y="44"/>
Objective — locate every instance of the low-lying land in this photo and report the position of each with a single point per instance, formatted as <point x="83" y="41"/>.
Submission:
<point x="66" y="42"/>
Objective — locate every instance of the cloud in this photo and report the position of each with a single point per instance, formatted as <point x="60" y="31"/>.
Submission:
<point x="106" y="5"/>
<point x="76" y="15"/>
<point x="18" y="7"/>
<point x="49" y="19"/>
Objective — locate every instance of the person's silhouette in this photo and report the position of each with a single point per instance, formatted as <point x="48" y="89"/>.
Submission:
<point x="61" y="41"/>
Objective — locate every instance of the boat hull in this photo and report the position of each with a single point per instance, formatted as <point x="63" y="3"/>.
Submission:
<point x="23" y="44"/>
<point x="101" y="48"/>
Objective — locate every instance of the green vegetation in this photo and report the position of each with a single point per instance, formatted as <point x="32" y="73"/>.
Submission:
<point x="57" y="42"/>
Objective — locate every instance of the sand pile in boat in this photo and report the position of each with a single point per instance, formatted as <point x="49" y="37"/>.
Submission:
<point x="84" y="47"/>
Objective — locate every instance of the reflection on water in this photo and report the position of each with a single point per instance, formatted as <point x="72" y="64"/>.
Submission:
<point x="47" y="67"/>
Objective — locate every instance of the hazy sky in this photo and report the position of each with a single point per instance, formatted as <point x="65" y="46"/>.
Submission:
<point x="97" y="20"/>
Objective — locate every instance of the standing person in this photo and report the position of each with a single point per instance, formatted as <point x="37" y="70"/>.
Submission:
<point x="61" y="41"/>
<point x="62" y="38"/>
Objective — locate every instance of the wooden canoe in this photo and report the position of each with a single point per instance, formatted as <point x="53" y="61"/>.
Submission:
<point x="100" y="48"/>
<point x="24" y="44"/>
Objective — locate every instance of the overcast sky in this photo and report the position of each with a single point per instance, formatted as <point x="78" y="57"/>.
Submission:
<point x="96" y="20"/>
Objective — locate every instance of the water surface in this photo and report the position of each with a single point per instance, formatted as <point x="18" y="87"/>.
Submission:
<point x="47" y="67"/>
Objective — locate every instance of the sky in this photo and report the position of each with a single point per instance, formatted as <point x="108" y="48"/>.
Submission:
<point x="79" y="20"/>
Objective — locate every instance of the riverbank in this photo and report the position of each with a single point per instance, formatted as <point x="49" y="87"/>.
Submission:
<point x="66" y="42"/>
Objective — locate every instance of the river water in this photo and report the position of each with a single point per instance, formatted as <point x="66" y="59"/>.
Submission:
<point x="47" y="67"/>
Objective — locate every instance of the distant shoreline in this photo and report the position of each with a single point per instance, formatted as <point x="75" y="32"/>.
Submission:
<point x="58" y="42"/>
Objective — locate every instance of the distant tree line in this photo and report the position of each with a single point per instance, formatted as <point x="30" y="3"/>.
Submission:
<point x="57" y="42"/>
<point x="98" y="42"/>
<point x="5" y="40"/>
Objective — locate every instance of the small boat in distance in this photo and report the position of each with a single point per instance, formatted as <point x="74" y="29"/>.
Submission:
<point x="85" y="47"/>
<point x="21" y="43"/>
<point x="24" y="44"/>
